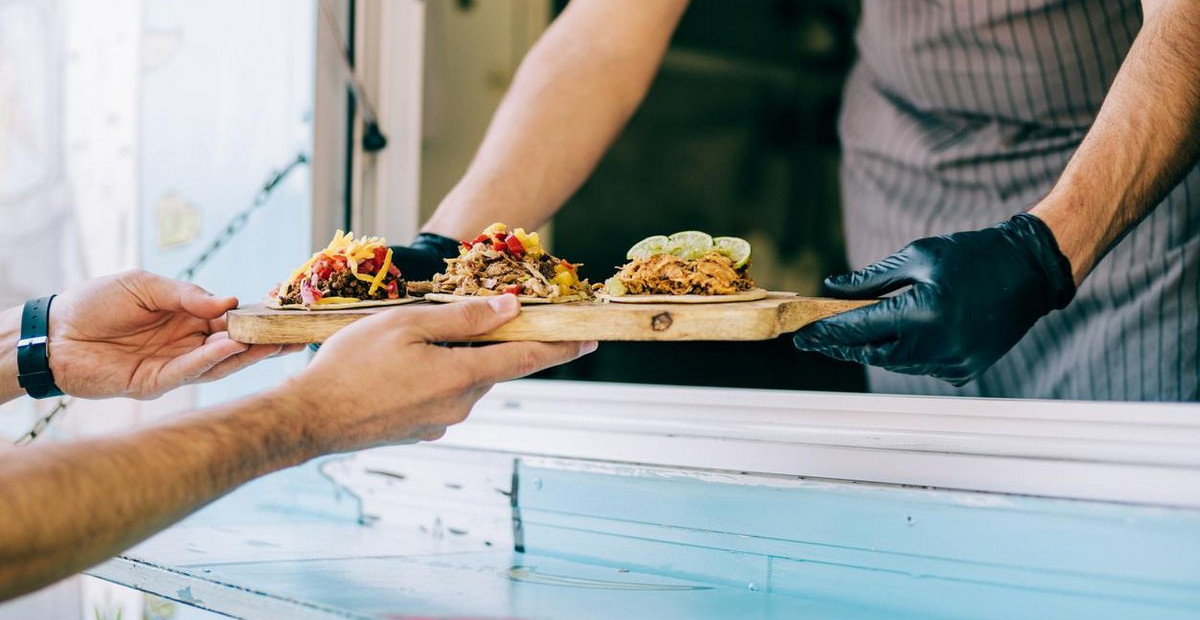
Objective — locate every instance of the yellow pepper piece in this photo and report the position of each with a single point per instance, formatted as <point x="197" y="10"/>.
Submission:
<point x="533" y="245"/>
<point x="495" y="229"/>
<point x="565" y="279"/>
<point x="383" y="269"/>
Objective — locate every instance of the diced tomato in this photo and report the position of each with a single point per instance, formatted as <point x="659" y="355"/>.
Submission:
<point x="367" y="267"/>
<point x="514" y="289"/>
<point x="393" y="291"/>
<point x="467" y="244"/>
<point x="480" y="239"/>
<point x="514" y="246"/>
<point x="501" y="236"/>
<point x="380" y="254"/>
<point x="394" y="270"/>
<point x="499" y="246"/>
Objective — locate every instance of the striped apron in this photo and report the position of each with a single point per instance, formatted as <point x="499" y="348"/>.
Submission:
<point x="960" y="113"/>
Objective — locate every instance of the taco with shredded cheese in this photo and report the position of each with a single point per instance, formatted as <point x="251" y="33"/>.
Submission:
<point x="687" y="267"/>
<point x="499" y="261"/>
<point x="348" y="273"/>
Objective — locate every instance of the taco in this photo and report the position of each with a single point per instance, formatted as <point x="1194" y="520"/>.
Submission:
<point x="348" y="273"/>
<point x="687" y="267"/>
<point x="498" y="262"/>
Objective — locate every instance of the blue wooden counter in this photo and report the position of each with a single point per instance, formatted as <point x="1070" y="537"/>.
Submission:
<point x="459" y="530"/>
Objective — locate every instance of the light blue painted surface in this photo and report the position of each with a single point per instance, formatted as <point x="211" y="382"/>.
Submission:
<point x="952" y="553"/>
<point x="605" y="541"/>
<point x="229" y="103"/>
<point x="479" y="585"/>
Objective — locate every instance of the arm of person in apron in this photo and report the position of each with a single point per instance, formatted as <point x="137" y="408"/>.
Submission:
<point x="570" y="98"/>
<point x="975" y="294"/>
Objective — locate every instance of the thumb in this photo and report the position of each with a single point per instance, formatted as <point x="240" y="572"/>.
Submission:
<point x="174" y="296"/>
<point x="873" y="280"/>
<point x="460" y="320"/>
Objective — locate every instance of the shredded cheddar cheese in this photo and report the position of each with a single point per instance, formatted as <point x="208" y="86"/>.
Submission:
<point x="383" y="269"/>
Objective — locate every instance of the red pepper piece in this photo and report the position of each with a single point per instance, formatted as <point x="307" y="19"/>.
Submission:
<point x="514" y="289"/>
<point x="498" y="246"/>
<point x="514" y="246"/>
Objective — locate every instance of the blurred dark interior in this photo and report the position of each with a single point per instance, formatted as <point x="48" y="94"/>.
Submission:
<point x="737" y="137"/>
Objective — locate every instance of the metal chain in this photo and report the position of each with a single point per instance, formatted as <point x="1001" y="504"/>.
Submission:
<point x="235" y="225"/>
<point x="239" y="221"/>
<point x="43" y="423"/>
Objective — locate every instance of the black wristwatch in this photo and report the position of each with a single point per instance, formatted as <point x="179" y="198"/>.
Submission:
<point x="33" y="350"/>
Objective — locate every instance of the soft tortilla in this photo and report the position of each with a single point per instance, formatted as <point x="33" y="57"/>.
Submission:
<point x="270" y="303"/>
<point x="750" y="295"/>
<point x="524" y="299"/>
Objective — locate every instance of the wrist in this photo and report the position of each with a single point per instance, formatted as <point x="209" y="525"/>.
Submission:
<point x="1079" y="236"/>
<point x="272" y="420"/>
<point x="35" y="375"/>
<point x="1034" y="238"/>
<point x="288" y="410"/>
<point x="56" y="338"/>
<point x="10" y="333"/>
<point x="443" y="246"/>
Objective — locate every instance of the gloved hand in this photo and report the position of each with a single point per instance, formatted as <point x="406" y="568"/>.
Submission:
<point x="424" y="257"/>
<point x="973" y="296"/>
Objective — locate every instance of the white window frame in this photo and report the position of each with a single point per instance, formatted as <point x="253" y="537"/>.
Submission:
<point x="389" y="46"/>
<point x="1144" y="453"/>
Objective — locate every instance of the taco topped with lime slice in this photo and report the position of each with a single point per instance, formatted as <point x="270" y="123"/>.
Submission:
<point x="348" y="273"/>
<point x="687" y="264"/>
<point x="500" y="261"/>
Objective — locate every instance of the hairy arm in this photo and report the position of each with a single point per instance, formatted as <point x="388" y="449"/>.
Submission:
<point x="68" y="506"/>
<point x="573" y="93"/>
<point x="1145" y="139"/>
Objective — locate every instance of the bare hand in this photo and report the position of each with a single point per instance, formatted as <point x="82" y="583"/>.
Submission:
<point x="140" y="335"/>
<point x="384" y="381"/>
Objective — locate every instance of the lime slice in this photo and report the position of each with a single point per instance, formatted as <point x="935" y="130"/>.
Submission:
<point x="736" y="248"/>
<point x="647" y="247"/>
<point x="690" y="244"/>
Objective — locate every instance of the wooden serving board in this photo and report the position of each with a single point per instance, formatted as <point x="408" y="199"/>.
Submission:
<point x="763" y="319"/>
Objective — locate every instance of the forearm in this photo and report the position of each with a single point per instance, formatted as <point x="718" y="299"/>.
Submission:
<point x="68" y="506"/>
<point x="574" y="92"/>
<point x="10" y="332"/>
<point x="1145" y="138"/>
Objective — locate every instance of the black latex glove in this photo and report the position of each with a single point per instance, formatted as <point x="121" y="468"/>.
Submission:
<point x="973" y="296"/>
<point x="424" y="257"/>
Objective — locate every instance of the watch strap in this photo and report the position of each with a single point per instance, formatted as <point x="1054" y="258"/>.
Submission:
<point x="33" y="350"/>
